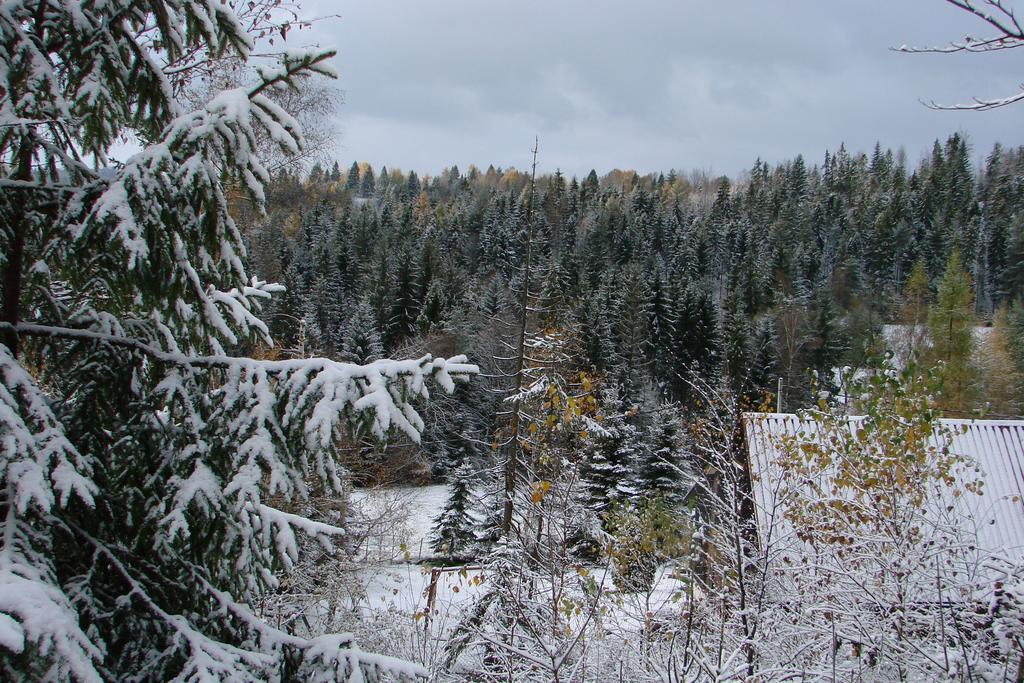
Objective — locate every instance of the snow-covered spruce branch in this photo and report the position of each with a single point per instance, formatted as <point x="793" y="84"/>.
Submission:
<point x="40" y="464"/>
<point x="337" y="385"/>
<point x="34" y="610"/>
<point x="143" y="219"/>
<point x="285" y="524"/>
<point x="329" y="657"/>
<point x="127" y="423"/>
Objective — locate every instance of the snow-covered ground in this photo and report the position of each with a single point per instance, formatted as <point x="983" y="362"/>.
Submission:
<point x="903" y="339"/>
<point x="401" y="519"/>
<point x="404" y="588"/>
<point x="399" y="579"/>
<point x="382" y="595"/>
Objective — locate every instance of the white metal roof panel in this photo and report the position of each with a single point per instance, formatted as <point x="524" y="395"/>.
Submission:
<point x="996" y="446"/>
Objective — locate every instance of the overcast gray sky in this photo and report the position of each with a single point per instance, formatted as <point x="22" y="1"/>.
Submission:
<point x="651" y="85"/>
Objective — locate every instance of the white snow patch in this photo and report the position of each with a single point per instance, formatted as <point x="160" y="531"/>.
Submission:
<point x="405" y="517"/>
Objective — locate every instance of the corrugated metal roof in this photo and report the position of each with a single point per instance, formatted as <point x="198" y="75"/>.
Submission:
<point x="996" y="446"/>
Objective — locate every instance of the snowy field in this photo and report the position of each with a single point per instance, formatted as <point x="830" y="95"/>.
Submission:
<point x="404" y="588"/>
<point x="400" y="520"/>
<point x="383" y="597"/>
<point x="403" y="517"/>
<point x="902" y="340"/>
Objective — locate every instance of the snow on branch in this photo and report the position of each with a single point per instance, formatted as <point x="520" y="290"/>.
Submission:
<point x="34" y="611"/>
<point x="39" y="462"/>
<point x="332" y="657"/>
<point x="285" y="523"/>
<point x="979" y="104"/>
<point x="168" y="215"/>
<point x="266" y="410"/>
<point x="1009" y="34"/>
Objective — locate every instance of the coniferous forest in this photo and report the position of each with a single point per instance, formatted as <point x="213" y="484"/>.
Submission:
<point x="789" y="273"/>
<point x="265" y="416"/>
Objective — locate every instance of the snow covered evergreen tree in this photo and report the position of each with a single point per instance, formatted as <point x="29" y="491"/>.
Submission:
<point x="360" y="340"/>
<point x="325" y="304"/>
<point x="453" y="531"/>
<point x="405" y="302"/>
<point x="660" y="471"/>
<point x="828" y="345"/>
<point x="762" y="369"/>
<point x="352" y="179"/>
<point x="367" y="184"/>
<point x="432" y="315"/>
<point x="138" y="453"/>
<point x="632" y="334"/>
<point x="612" y="452"/>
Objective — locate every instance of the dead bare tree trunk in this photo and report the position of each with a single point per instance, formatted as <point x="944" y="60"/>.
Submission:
<point x="515" y="446"/>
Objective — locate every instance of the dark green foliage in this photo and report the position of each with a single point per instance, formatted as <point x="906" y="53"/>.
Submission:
<point x="632" y="312"/>
<point x="790" y="270"/>
<point x="368" y="184"/>
<point x="696" y="341"/>
<point x="404" y="298"/>
<point x="611" y="454"/>
<point x="145" y="455"/>
<point x="360" y="340"/>
<point x="663" y="459"/>
<point x="828" y="342"/>
<point x="1015" y="323"/>
<point x="453" y="530"/>
<point x="352" y="180"/>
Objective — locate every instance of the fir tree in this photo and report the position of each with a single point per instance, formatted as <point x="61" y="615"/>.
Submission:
<point x="317" y="175"/>
<point x="761" y="378"/>
<point x="324" y="301"/>
<point x="696" y="339"/>
<point x="453" y="530"/>
<point x="738" y="345"/>
<point x="660" y="323"/>
<point x="611" y="454"/>
<point x="828" y="344"/>
<point x="412" y="186"/>
<point x="352" y="179"/>
<point x="555" y="303"/>
<point x="660" y="472"/>
<point x="589" y="188"/>
<point x="139" y="456"/>
<point x="404" y="297"/>
<point x="367" y="186"/>
<point x="950" y="325"/>
<point x="383" y="183"/>
<point x="360" y="339"/>
<point x="494" y="300"/>
<point x="598" y="337"/>
<point x="1012" y="281"/>
<point x="632" y="313"/>
<point x="432" y="316"/>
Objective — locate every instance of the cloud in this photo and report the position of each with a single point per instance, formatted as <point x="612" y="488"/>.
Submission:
<point x="652" y="85"/>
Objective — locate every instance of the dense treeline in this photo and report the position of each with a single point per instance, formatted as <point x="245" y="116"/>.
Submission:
<point x="621" y="322"/>
<point x="786" y="270"/>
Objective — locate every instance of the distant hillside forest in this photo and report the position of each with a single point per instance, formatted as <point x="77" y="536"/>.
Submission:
<point x="788" y="271"/>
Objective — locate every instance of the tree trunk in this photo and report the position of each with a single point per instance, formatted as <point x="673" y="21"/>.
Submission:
<point x="15" y="257"/>
<point x="512" y="465"/>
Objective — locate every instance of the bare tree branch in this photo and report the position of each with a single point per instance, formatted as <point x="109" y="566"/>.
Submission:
<point x="1009" y="34"/>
